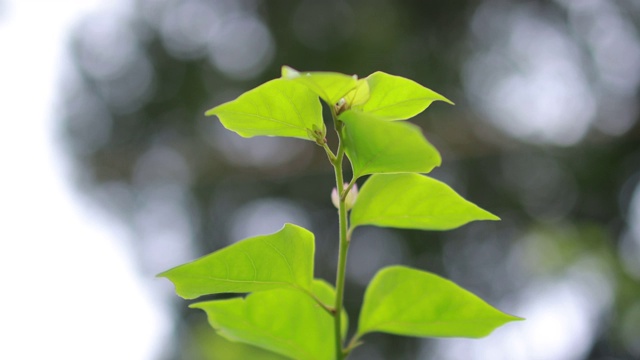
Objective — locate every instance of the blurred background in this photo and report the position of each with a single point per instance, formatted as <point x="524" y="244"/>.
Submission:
<point x="113" y="174"/>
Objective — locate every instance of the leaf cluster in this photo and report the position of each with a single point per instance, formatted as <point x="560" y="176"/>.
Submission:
<point x="287" y="310"/>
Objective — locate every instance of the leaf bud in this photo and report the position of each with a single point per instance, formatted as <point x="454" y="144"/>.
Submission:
<point x="341" y="106"/>
<point x="349" y="200"/>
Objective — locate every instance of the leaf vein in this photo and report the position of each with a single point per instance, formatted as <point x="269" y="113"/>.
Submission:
<point x="266" y="118"/>
<point x="266" y="333"/>
<point x="380" y="325"/>
<point x="400" y="103"/>
<point x="295" y="107"/>
<point x="253" y="264"/>
<point x="284" y="258"/>
<point x="208" y="277"/>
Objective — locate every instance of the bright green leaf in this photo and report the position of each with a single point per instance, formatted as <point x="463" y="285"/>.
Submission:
<point x="276" y="108"/>
<point x="412" y="201"/>
<point x="283" y="321"/>
<point x="410" y="302"/>
<point x="358" y="95"/>
<point x="379" y="146"/>
<point x="330" y="86"/>
<point x="202" y="344"/>
<point x="397" y="98"/>
<point x="281" y="259"/>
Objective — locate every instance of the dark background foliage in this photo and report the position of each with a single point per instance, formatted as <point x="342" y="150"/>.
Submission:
<point x="544" y="133"/>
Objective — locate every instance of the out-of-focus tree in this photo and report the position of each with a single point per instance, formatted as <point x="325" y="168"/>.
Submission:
<point x="545" y="133"/>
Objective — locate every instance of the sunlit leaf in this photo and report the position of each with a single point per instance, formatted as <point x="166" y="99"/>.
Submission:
<point x="358" y="95"/>
<point x="202" y="343"/>
<point x="410" y="302"/>
<point x="276" y="108"/>
<point x="281" y="259"/>
<point x="413" y="201"/>
<point x="283" y="321"/>
<point x="330" y="86"/>
<point x="397" y="98"/>
<point x="379" y="146"/>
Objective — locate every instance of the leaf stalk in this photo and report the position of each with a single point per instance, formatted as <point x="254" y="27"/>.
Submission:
<point x="344" y="243"/>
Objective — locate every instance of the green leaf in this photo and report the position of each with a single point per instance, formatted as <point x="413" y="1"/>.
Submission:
<point x="275" y="108"/>
<point x="330" y="86"/>
<point x="410" y="302"/>
<point x="412" y="201"/>
<point x="379" y="146"/>
<point x="283" y="321"/>
<point x="397" y="98"/>
<point x="202" y="344"/>
<point x="358" y="95"/>
<point x="281" y="259"/>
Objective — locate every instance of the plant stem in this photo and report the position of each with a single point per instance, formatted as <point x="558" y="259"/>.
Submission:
<point x="330" y="154"/>
<point x="324" y="306"/>
<point x="345" y="192"/>
<point x="342" y="265"/>
<point x="354" y="343"/>
<point x="344" y="246"/>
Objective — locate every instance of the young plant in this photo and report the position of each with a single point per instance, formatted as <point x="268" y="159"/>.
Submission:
<point x="290" y="312"/>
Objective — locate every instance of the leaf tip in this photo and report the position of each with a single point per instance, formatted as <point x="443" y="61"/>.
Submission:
<point x="447" y="101"/>
<point x="438" y="161"/>
<point x="211" y="112"/>
<point x="506" y="319"/>
<point x="196" y="306"/>
<point x="178" y="288"/>
<point x="492" y="217"/>
<point x="288" y="72"/>
<point x="488" y="216"/>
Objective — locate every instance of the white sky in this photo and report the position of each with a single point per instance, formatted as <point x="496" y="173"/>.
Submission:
<point x="69" y="287"/>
